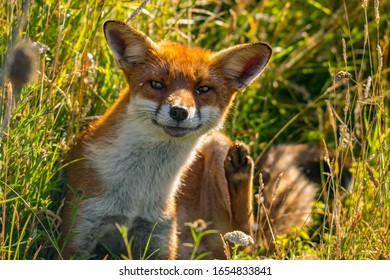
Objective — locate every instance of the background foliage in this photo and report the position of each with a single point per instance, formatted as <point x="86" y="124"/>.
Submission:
<point x="327" y="82"/>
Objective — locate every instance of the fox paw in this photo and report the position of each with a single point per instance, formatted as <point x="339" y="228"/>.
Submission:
<point x="238" y="163"/>
<point x="239" y="175"/>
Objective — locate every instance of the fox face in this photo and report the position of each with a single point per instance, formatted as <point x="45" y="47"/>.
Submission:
<point x="181" y="90"/>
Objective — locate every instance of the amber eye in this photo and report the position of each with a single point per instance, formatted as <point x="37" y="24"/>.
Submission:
<point x="203" y="89"/>
<point x="156" y="85"/>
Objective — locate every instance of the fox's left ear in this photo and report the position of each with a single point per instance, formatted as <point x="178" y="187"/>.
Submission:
<point x="243" y="63"/>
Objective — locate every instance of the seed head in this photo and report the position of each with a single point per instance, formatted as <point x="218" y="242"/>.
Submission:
<point x="342" y="75"/>
<point x="376" y="10"/>
<point x="367" y="87"/>
<point x="22" y="64"/>
<point x="239" y="238"/>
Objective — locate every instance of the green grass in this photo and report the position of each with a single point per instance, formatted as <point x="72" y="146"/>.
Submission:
<point x="299" y="98"/>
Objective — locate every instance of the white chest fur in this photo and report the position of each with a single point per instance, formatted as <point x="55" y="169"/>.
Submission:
<point x="140" y="173"/>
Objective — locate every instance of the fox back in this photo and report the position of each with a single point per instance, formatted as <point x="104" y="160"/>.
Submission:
<point x="292" y="178"/>
<point x="127" y="165"/>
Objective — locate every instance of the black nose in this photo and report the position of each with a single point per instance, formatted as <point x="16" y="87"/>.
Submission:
<point x="178" y="113"/>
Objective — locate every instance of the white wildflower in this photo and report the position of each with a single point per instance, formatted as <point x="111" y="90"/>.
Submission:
<point x="239" y="238"/>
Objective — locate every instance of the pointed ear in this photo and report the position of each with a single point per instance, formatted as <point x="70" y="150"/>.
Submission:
<point x="243" y="63"/>
<point x="128" y="45"/>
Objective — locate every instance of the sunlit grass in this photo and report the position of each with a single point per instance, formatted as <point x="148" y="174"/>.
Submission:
<point x="297" y="99"/>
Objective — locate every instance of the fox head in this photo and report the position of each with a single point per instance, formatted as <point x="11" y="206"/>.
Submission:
<point x="181" y="91"/>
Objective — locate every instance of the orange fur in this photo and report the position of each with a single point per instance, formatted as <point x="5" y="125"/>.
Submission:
<point x="217" y="188"/>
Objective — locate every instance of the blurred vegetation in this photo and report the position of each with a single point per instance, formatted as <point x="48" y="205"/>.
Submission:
<point x="301" y="97"/>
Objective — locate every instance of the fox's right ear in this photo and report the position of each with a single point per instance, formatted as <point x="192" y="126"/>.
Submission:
<point x="128" y="45"/>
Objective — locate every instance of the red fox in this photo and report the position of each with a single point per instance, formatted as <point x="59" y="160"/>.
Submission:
<point x="127" y="166"/>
